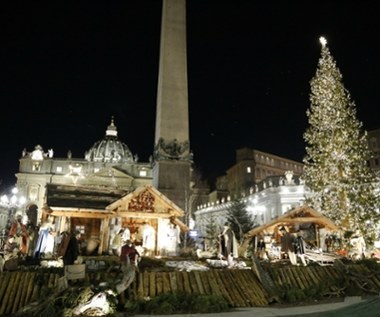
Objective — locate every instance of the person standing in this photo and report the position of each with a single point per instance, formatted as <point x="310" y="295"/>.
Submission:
<point x="288" y="245"/>
<point x="228" y="243"/>
<point x="117" y="242"/>
<point x="45" y="241"/>
<point x="300" y="247"/>
<point x="126" y="235"/>
<point x="62" y="242"/>
<point x="261" y="249"/>
<point x="148" y="239"/>
<point x="129" y="254"/>
<point x="359" y="245"/>
<point x="72" y="250"/>
<point x="129" y="257"/>
<point x="173" y="240"/>
<point x="19" y="232"/>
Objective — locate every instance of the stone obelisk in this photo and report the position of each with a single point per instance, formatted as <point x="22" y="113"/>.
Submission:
<point x="172" y="156"/>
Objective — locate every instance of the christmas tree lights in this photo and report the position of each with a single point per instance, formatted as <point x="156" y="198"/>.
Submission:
<point x="337" y="151"/>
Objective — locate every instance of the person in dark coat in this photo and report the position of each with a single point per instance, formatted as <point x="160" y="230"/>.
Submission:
<point x="261" y="252"/>
<point x="72" y="250"/>
<point x="129" y="254"/>
<point x="300" y="247"/>
<point x="288" y="245"/>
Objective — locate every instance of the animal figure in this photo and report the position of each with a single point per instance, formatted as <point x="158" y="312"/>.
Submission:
<point x="129" y="274"/>
<point x="98" y="305"/>
<point x="217" y="263"/>
<point x="205" y="254"/>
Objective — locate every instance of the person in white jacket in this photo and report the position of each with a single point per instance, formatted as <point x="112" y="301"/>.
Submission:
<point x="358" y="245"/>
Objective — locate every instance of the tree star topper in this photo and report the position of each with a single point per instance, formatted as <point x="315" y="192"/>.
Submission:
<point x="323" y="41"/>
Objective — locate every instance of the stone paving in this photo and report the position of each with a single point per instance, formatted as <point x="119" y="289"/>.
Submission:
<point x="351" y="307"/>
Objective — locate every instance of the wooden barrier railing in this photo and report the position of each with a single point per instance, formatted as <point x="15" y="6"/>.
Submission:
<point x="241" y="288"/>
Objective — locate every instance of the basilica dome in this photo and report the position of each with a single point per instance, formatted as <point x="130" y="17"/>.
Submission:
<point x="110" y="148"/>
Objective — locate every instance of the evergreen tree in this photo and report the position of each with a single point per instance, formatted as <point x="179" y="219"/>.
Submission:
<point x="239" y="219"/>
<point x="336" y="168"/>
<point x="212" y="232"/>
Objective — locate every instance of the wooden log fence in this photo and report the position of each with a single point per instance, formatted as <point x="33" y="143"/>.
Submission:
<point x="18" y="289"/>
<point x="240" y="288"/>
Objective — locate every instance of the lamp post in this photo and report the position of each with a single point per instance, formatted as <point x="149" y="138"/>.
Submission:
<point x="10" y="205"/>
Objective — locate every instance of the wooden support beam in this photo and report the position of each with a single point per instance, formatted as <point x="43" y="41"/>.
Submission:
<point x="134" y="214"/>
<point x="101" y="215"/>
<point x="80" y="214"/>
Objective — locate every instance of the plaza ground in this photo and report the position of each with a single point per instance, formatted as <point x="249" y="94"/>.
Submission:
<point x="354" y="306"/>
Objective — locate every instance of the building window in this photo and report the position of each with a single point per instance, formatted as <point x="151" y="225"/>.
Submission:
<point x="59" y="169"/>
<point x="142" y="173"/>
<point x="249" y="171"/>
<point x="36" y="166"/>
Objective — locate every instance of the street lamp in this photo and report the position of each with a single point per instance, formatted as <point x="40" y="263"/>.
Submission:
<point x="10" y="205"/>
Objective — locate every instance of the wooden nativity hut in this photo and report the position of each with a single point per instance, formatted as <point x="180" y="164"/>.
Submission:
<point x="98" y="212"/>
<point x="315" y="226"/>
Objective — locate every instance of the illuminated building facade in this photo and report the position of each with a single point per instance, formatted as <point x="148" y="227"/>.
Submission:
<point x="264" y="201"/>
<point x="252" y="167"/>
<point x="107" y="164"/>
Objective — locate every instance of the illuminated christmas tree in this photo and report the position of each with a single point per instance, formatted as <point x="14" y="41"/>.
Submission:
<point x="336" y="168"/>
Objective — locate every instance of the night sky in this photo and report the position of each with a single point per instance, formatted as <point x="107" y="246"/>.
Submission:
<point x="67" y="68"/>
